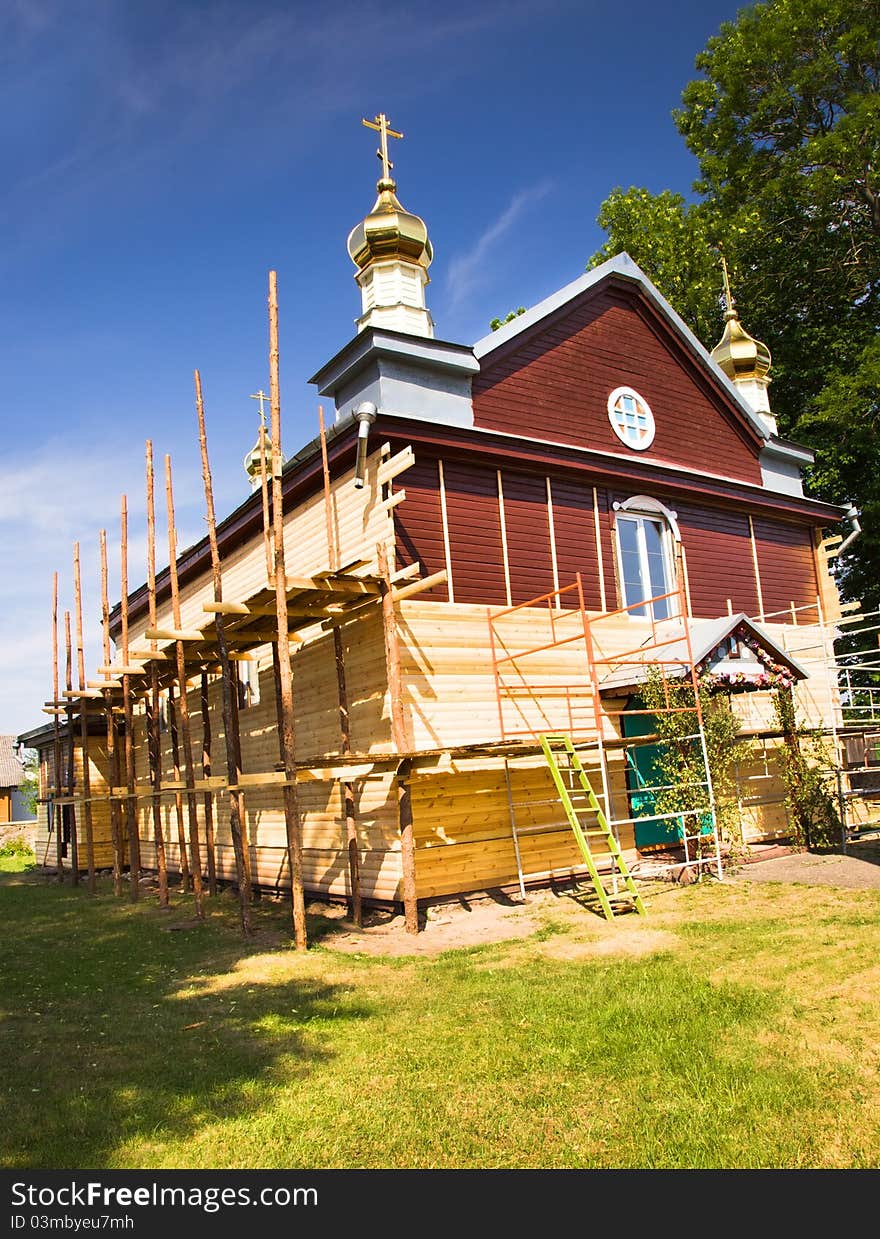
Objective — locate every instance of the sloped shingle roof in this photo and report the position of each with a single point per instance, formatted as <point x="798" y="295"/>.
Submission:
<point x="11" y="769"/>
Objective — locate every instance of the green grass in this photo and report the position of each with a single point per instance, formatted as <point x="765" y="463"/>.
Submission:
<point x="16" y="862"/>
<point x="735" y="1026"/>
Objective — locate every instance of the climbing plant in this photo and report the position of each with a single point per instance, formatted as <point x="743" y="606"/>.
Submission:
<point x="810" y="796"/>
<point x="679" y="763"/>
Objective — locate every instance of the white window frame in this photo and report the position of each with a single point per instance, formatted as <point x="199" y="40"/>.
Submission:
<point x="248" y="684"/>
<point x="639" y="509"/>
<point x="650" y="425"/>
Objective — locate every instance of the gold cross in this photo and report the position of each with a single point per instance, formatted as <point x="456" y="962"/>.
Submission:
<point x="380" y="124"/>
<point x="729" y="302"/>
<point x="261" y="396"/>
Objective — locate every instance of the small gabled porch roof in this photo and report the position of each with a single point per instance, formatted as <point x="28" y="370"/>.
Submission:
<point x="705" y="637"/>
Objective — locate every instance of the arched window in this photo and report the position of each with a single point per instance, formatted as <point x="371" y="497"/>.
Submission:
<point x="646" y="533"/>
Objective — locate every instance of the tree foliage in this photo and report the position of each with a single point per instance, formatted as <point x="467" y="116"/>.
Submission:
<point x="678" y="243"/>
<point x="30" y="788"/>
<point x="680" y="765"/>
<point x="508" y="318"/>
<point x="810" y="793"/>
<point x="785" y="125"/>
<point x="788" y="107"/>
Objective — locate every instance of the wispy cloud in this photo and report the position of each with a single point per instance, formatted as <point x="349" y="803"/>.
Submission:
<point x="468" y="271"/>
<point x="68" y="491"/>
<point x="146" y="85"/>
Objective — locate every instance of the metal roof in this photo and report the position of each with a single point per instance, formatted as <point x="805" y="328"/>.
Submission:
<point x="705" y="635"/>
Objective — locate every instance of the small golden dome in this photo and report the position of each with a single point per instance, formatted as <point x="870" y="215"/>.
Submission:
<point x="389" y="232"/>
<point x="738" y="354"/>
<point x="253" y="462"/>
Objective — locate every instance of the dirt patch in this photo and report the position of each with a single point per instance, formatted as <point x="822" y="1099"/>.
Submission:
<point x="570" y="931"/>
<point x="567" y="929"/>
<point x="27" y="831"/>
<point x="472" y="922"/>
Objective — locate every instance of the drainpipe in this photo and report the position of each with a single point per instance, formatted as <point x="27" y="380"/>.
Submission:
<point x="365" y="415"/>
<point x="853" y="517"/>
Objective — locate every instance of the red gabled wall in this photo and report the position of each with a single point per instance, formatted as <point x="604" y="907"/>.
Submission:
<point x="527" y="523"/>
<point x="553" y="382"/>
<point x="474" y="533"/>
<point x="719" y="560"/>
<point x="575" y="528"/>
<point x="418" y="524"/>
<point x="717" y="541"/>
<point x="787" y="566"/>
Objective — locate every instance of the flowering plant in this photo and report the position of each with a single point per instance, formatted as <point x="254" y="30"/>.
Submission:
<point x="727" y="681"/>
<point x="773" y="675"/>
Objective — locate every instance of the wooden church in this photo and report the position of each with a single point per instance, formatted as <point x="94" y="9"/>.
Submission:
<point x="492" y="543"/>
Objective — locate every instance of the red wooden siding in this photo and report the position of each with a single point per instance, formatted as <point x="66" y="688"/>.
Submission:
<point x="528" y="536"/>
<point x="555" y="384"/>
<point x="719" y="559"/>
<point x="474" y="533"/>
<point x="419" y="525"/>
<point x="716" y="540"/>
<point x="576" y="541"/>
<point x="786" y="564"/>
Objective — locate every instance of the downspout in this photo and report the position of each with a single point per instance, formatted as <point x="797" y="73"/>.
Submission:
<point x="853" y="517"/>
<point x="365" y="415"/>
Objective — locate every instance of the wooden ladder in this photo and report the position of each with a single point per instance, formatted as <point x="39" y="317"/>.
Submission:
<point x="588" y="821"/>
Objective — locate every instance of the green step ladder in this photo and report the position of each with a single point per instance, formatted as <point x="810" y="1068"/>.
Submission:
<point x="580" y="801"/>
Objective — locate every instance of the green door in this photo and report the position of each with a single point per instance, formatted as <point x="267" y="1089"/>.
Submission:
<point x="643" y="773"/>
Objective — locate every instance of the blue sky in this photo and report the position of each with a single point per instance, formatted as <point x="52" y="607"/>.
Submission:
<point x="160" y="156"/>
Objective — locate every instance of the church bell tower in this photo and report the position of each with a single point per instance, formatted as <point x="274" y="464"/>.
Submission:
<point x="392" y="253"/>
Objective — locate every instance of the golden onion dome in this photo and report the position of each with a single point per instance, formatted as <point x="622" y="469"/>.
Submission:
<point x="738" y="354"/>
<point x="389" y="232"/>
<point x="253" y="462"/>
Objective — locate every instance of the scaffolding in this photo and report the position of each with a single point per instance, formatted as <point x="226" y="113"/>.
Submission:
<point x="853" y="725"/>
<point x="553" y="662"/>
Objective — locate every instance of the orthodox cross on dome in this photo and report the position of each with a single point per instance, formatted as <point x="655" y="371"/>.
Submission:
<point x="262" y="397"/>
<point x="729" y="303"/>
<point x="382" y="127"/>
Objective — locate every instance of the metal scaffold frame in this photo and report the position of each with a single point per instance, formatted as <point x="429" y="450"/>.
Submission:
<point x="529" y="708"/>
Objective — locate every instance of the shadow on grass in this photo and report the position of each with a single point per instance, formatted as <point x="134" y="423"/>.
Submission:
<point x="114" y="1029"/>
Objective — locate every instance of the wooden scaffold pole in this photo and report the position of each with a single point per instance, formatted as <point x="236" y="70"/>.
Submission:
<point x="237" y="822"/>
<point x="398" y="738"/>
<point x="208" y="798"/>
<point x="264" y="495"/>
<point x="57" y="812"/>
<point x="174" y="738"/>
<point x="114" y="766"/>
<point x="286" y="732"/>
<point x="195" y="863"/>
<point x="354" y="866"/>
<point x="84" y="725"/>
<point x="71" y="808"/>
<point x="154" y="729"/>
<point x="131" y="817"/>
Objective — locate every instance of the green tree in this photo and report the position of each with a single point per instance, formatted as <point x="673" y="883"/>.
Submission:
<point x="30" y="788"/>
<point x="785" y="124"/>
<point x="675" y="244"/>
<point x="843" y="472"/>
<point x="788" y="106"/>
<point x="679" y="763"/>
<point x="508" y="318"/>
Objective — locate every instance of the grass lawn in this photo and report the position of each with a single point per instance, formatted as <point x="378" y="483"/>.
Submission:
<point x="735" y="1026"/>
